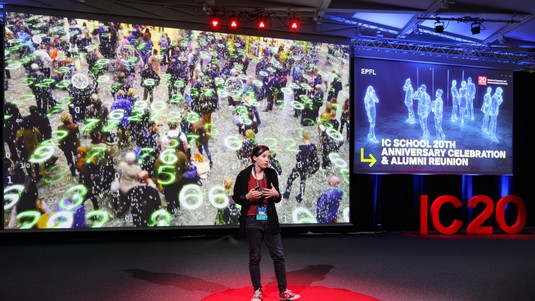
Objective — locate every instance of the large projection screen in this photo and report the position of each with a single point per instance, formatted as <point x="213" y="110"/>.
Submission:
<point x="427" y="118"/>
<point x="215" y="88"/>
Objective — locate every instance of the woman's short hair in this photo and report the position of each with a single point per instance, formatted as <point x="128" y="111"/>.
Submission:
<point x="258" y="150"/>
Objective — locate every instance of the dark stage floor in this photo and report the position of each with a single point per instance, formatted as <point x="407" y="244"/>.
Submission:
<point x="358" y="266"/>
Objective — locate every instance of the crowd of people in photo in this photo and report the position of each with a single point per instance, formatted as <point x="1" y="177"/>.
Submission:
<point x="132" y="109"/>
<point x="463" y="99"/>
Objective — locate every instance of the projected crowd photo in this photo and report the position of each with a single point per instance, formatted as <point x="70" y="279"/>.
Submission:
<point x="114" y="125"/>
<point x="432" y="118"/>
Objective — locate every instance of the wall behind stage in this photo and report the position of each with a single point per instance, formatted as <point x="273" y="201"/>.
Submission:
<point x="391" y="202"/>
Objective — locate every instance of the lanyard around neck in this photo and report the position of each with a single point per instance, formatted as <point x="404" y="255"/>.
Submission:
<point x="264" y="181"/>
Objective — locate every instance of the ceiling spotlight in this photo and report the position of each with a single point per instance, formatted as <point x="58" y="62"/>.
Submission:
<point x="294" y="23"/>
<point x="214" y="21"/>
<point x="261" y="23"/>
<point x="476" y="28"/>
<point x="439" y="26"/>
<point x="233" y="22"/>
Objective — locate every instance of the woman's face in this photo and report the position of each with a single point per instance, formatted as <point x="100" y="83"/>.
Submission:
<point x="262" y="161"/>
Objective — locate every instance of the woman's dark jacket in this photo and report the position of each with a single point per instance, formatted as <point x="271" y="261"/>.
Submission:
<point x="240" y="190"/>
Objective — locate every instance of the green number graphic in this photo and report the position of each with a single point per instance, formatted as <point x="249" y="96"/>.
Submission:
<point x="217" y="197"/>
<point x="61" y="220"/>
<point x="191" y="197"/>
<point x="12" y="198"/>
<point x="160" y="218"/>
<point x="33" y="215"/>
<point x="170" y="175"/>
<point x="99" y="217"/>
<point x="42" y="154"/>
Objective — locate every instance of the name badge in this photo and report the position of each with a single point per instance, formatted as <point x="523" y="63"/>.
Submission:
<point x="261" y="213"/>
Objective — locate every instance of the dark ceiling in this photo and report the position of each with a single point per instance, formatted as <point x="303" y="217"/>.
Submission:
<point x="507" y="28"/>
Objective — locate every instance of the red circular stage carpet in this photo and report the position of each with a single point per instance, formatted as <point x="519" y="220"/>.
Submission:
<point x="308" y="293"/>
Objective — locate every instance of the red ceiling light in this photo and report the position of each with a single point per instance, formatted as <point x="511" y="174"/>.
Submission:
<point x="294" y="23"/>
<point x="233" y="22"/>
<point x="214" y="21"/>
<point x="261" y="23"/>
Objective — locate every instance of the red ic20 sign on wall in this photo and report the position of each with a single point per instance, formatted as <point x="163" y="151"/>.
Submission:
<point x="474" y="226"/>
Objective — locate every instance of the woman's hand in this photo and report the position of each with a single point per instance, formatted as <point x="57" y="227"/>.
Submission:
<point x="253" y="195"/>
<point x="270" y="192"/>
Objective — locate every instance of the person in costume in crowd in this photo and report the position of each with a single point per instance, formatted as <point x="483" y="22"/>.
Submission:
<point x="144" y="200"/>
<point x="70" y="143"/>
<point x="344" y="118"/>
<point x="202" y="132"/>
<point x="328" y="143"/>
<point x="305" y="159"/>
<point x="250" y="142"/>
<point x="97" y="171"/>
<point x="170" y="174"/>
<point x="150" y="78"/>
<point x="29" y="201"/>
<point x="27" y="140"/>
<point x="12" y="123"/>
<point x="123" y="105"/>
<point x="329" y="202"/>
<point x="128" y="172"/>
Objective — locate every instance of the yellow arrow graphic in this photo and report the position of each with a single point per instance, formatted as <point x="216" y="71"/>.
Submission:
<point x="372" y="159"/>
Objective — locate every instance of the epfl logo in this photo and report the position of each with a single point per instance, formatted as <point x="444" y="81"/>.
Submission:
<point x="365" y="71"/>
